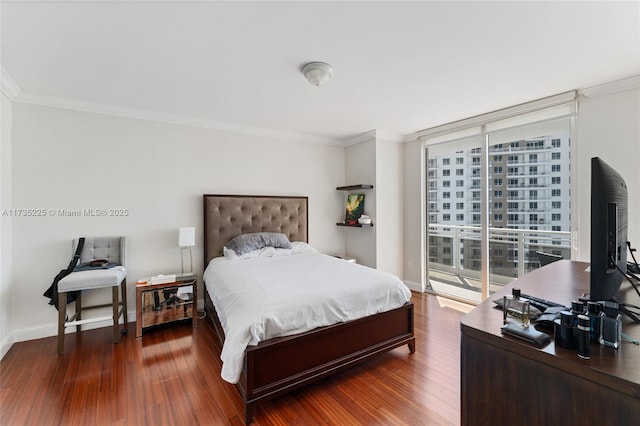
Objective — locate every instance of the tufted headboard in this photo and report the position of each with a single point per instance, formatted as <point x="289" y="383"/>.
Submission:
<point x="227" y="216"/>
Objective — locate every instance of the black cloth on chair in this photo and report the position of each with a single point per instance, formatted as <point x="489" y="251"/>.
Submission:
<point x="52" y="291"/>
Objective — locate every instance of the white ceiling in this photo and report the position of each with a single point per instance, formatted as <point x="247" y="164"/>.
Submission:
<point x="399" y="67"/>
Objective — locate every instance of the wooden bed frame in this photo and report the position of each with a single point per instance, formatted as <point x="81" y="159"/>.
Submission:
<point x="279" y="365"/>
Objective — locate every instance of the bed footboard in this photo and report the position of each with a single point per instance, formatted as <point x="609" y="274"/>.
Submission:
<point x="277" y="366"/>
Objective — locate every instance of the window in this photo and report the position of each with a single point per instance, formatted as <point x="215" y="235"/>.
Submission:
<point x="556" y="228"/>
<point x="555" y="143"/>
<point x="555" y="167"/>
<point x="556" y="217"/>
<point x="433" y="218"/>
<point x="555" y="192"/>
<point x="555" y="180"/>
<point x="446" y="206"/>
<point x="555" y="204"/>
<point x="446" y="183"/>
<point x="446" y="172"/>
<point x="446" y="161"/>
<point x="517" y="174"/>
<point x="446" y="217"/>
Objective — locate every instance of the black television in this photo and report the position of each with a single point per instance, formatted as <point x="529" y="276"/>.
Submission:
<point x="608" y="230"/>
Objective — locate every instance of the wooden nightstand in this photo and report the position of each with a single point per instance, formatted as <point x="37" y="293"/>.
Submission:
<point x="165" y="303"/>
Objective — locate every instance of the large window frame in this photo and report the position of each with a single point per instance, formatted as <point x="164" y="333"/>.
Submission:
<point x="504" y="122"/>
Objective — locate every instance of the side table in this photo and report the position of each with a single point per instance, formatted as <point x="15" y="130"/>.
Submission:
<point x="165" y="303"/>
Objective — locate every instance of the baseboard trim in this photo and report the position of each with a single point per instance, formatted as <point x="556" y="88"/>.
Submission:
<point x="48" y="330"/>
<point x="7" y="342"/>
<point x="414" y="286"/>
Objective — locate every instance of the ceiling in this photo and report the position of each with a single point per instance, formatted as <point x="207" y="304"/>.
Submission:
<point x="400" y="67"/>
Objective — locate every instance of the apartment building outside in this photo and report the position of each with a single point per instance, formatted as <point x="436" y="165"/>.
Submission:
<point x="529" y="198"/>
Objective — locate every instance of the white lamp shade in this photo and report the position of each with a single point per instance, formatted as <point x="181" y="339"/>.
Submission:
<point x="187" y="237"/>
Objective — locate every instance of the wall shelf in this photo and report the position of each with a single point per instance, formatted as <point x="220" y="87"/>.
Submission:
<point x="354" y="187"/>
<point x="355" y="225"/>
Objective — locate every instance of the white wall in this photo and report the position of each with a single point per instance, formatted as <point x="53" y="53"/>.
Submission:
<point x="609" y="128"/>
<point x="65" y="159"/>
<point x="6" y="337"/>
<point x="389" y="207"/>
<point x="360" y="162"/>
<point x="413" y="220"/>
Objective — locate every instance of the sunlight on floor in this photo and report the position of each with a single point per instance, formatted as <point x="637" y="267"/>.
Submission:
<point x="454" y="304"/>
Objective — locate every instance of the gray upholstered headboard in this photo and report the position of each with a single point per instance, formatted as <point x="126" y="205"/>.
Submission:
<point x="227" y="216"/>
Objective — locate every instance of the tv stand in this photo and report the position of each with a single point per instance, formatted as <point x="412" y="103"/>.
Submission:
<point x="507" y="381"/>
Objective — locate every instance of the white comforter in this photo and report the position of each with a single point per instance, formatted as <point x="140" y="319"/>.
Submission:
<point x="258" y="299"/>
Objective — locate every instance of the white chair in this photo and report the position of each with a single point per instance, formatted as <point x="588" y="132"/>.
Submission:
<point x="113" y="249"/>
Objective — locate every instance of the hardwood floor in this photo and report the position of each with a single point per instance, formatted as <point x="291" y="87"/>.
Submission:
<point x="171" y="376"/>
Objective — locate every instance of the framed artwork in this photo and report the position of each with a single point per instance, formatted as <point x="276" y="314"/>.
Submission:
<point x="355" y="208"/>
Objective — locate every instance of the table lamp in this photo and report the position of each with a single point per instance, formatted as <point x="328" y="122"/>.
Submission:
<point x="186" y="240"/>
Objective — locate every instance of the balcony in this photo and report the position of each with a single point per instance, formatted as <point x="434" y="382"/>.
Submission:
<point x="511" y="255"/>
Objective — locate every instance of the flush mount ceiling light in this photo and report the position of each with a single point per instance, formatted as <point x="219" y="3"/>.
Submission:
<point x="317" y="73"/>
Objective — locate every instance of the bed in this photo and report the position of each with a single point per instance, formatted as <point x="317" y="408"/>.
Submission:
<point x="279" y="365"/>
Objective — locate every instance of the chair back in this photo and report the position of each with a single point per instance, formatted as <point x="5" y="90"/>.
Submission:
<point x="114" y="249"/>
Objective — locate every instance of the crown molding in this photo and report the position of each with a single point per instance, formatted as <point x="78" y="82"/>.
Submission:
<point x="140" y="114"/>
<point x="612" y="87"/>
<point x="372" y="134"/>
<point x="8" y="86"/>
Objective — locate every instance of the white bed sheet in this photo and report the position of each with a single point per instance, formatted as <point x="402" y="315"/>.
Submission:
<point x="259" y="299"/>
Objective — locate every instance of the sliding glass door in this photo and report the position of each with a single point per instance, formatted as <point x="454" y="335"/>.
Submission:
<point x="454" y="251"/>
<point x="496" y="195"/>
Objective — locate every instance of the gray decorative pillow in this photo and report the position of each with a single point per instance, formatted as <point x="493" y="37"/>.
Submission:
<point x="245" y="243"/>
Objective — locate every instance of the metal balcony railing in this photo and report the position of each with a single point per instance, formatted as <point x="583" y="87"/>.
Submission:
<point x="511" y="251"/>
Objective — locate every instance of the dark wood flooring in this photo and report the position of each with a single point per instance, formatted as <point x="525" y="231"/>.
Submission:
<point x="171" y="376"/>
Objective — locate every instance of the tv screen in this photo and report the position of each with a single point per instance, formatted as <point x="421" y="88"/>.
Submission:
<point x="608" y="230"/>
